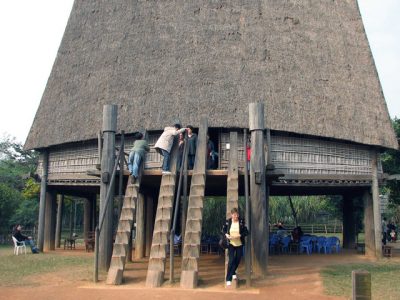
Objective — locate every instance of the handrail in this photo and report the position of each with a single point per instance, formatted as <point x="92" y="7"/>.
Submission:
<point x="101" y="220"/>
<point x="121" y="173"/>
<point x="176" y="211"/>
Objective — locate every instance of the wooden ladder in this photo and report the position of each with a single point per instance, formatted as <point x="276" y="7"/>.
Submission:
<point x="126" y="221"/>
<point x="191" y="247"/>
<point x="162" y="225"/>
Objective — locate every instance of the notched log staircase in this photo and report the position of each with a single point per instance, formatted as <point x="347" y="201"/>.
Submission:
<point x="126" y="221"/>
<point x="162" y="225"/>
<point x="191" y="247"/>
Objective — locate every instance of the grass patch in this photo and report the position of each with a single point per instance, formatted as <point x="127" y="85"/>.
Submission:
<point x="17" y="270"/>
<point x="337" y="279"/>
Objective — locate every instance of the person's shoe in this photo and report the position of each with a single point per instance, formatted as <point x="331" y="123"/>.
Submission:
<point x="228" y="283"/>
<point x="234" y="277"/>
<point x="35" y="250"/>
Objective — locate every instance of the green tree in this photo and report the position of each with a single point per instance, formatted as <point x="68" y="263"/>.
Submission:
<point x="309" y="209"/>
<point x="391" y="165"/>
<point x="9" y="201"/>
<point x="19" y="192"/>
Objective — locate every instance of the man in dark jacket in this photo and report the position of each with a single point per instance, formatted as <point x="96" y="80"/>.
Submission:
<point x="137" y="156"/>
<point x="192" y="144"/>
<point x="24" y="239"/>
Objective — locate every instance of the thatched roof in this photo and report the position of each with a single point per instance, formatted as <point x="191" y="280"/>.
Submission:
<point x="309" y="61"/>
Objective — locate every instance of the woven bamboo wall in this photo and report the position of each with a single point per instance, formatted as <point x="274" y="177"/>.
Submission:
<point x="76" y="160"/>
<point x="297" y="155"/>
<point x="292" y="155"/>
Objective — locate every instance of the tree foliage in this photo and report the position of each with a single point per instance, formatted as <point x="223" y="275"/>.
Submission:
<point x="391" y="165"/>
<point x="19" y="192"/>
<point x="309" y="209"/>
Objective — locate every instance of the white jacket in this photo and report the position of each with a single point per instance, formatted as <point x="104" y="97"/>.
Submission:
<point x="166" y="139"/>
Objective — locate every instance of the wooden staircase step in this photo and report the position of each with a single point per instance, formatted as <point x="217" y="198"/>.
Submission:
<point x="192" y="240"/>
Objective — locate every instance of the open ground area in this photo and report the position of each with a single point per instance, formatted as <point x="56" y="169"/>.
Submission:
<point x="67" y="274"/>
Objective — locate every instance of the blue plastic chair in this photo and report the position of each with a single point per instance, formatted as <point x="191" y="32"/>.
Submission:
<point x="274" y="243"/>
<point x="321" y="241"/>
<point x="332" y="242"/>
<point x="285" y="243"/>
<point x="306" y="244"/>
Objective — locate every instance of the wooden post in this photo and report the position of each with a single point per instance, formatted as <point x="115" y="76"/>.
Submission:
<point x="232" y="193"/>
<point x="94" y="212"/>
<point x="376" y="204"/>
<point x="361" y="281"/>
<point x="369" y="224"/>
<point x="140" y="230"/>
<point x="42" y="205"/>
<point x="149" y="222"/>
<point x="246" y="195"/>
<point x="71" y="217"/>
<point x="349" y="234"/>
<point x="60" y="209"/>
<point x="50" y="218"/>
<point x="87" y="209"/>
<point x="107" y="165"/>
<point x="258" y="192"/>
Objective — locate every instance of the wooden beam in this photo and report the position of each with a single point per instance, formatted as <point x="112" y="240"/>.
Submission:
<point x="342" y="177"/>
<point x="232" y="186"/>
<point x="60" y="209"/>
<point x="394" y="177"/>
<point x="369" y="225"/>
<point x="149" y="222"/>
<point x="50" y="218"/>
<point x="87" y="209"/>
<point x="349" y="232"/>
<point x="376" y="204"/>
<point x="140" y="230"/>
<point x="42" y="205"/>
<point x="258" y="190"/>
<point x="107" y="164"/>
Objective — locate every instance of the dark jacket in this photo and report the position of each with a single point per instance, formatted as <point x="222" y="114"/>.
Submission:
<point x="19" y="236"/>
<point x="192" y="144"/>
<point x="242" y="228"/>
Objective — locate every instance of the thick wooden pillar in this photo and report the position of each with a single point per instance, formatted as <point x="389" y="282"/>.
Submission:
<point x="258" y="193"/>
<point x="149" y="223"/>
<point x="107" y="164"/>
<point x="140" y="230"/>
<point x="232" y="193"/>
<point x="94" y="213"/>
<point x="87" y="210"/>
<point x="349" y="230"/>
<point x="60" y="209"/>
<point x="50" y="222"/>
<point x="369" y="224"/>
<point x="376" y="204"/>
<point x="42" y="205"/>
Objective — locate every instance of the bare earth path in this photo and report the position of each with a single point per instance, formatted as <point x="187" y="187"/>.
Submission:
<point x="290" y="277"/>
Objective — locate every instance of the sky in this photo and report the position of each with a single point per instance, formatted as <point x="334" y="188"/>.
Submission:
<point x="31" y="32"/>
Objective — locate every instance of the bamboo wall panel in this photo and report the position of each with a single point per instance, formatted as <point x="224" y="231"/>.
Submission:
<point x="297" y="155"/>
<point x="292" y="155"/>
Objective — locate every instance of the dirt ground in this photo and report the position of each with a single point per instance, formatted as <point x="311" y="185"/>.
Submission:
<point x="289" y="277"/>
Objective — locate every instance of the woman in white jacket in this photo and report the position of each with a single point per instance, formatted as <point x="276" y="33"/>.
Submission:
<point x="165" y="142"/>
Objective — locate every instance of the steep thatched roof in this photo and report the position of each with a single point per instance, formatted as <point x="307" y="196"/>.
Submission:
<point x="309" y="61"/>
